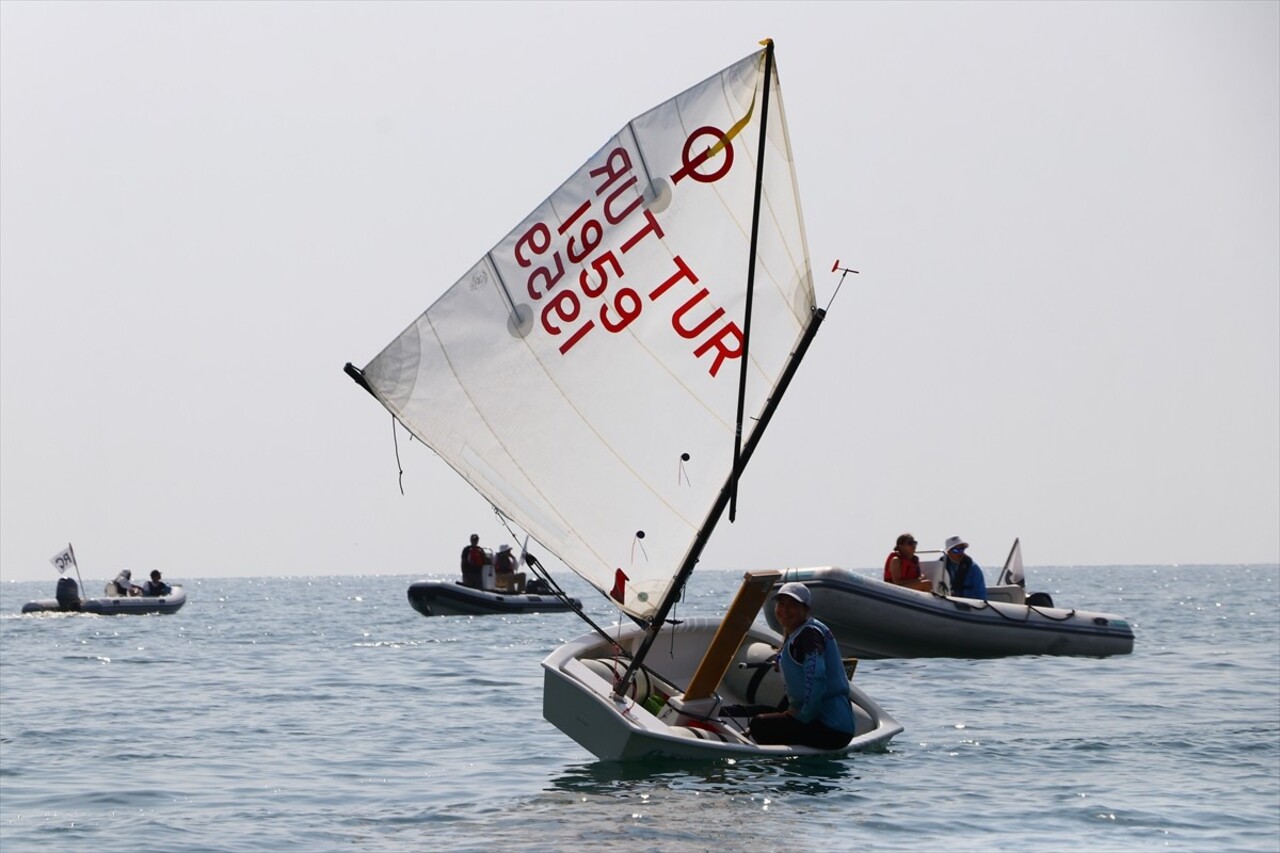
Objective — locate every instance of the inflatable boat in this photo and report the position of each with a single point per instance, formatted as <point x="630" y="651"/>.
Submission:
<point x="450" y="598"/>
<point x="873" y="619"/>
<point x="68" y="600"/>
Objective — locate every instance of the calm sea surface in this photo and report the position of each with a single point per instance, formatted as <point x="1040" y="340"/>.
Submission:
<point x="318" y="714"/>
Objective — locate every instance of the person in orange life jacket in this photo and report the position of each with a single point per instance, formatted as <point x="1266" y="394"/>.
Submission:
<point x="473" y="560"/>
<point x="504" y="565"/>
<point x="818" y="711"/>
<point x="902" y="566"/>
<point x="966" y="580"/>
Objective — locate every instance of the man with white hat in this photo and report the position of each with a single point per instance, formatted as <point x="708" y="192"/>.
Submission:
<point x="966" y="580"/>
<point x="818" y="711"/>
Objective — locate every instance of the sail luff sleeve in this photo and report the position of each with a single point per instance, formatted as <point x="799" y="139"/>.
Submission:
<point x="751" y="278"/>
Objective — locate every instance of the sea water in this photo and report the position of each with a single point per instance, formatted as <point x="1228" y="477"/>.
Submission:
<point x="318" y="714"/>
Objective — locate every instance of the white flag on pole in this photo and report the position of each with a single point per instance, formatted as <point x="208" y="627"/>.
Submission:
<point x="63" y="560"/>
<point x="1013" y="566"/>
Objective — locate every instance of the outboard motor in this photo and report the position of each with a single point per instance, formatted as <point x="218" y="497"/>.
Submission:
<point x="68" y="594"/>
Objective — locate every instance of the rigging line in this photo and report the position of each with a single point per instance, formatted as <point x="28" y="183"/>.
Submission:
<point x="358" y="375"/>
<point x="541" y="571"/>
<point x="396" y="441"/>
<point x="638" y="539"/>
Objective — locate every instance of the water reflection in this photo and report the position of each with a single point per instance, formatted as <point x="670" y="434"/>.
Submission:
<point x="809" y="775"/>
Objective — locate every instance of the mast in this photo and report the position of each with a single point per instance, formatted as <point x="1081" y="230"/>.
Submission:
<point x="751" y="276"/>
<point x="700" y="541"/>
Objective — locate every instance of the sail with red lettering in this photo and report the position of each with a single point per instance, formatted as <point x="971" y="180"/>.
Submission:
<point x="583" y="376"/>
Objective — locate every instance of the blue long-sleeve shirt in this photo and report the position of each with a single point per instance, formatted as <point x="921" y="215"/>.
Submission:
<point x="966" y="584"/>
<point x="817" y="687"/>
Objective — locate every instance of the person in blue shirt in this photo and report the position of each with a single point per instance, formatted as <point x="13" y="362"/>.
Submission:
<point x="818" y="712"/>
<point x="965" y="578"/>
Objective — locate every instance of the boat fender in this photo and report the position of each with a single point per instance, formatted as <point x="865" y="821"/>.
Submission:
<point x="758" y="658"/>
<point x="754" y="678"/>
<point x="1039" y="599"/>
<point x="640" y="688"/>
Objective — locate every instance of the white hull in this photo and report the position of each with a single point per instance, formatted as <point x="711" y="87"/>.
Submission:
<point x="578" y="700"/>
<point x="873" y="619"/>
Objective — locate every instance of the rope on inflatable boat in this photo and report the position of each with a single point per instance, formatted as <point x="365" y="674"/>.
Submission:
<point x="986" y="605"/>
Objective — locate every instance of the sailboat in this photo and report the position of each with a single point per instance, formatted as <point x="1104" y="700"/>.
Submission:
<point x="650" y="314"/>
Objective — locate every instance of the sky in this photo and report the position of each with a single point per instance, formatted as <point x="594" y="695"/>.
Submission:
<point x="1065" y="217"/>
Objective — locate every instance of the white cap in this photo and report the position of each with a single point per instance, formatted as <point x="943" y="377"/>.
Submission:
<point x="798" y="591"/>
<point x="503" y="547"/>
<point x="953" y="541"/>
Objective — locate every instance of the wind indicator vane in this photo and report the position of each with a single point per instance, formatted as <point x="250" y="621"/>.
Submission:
<point x="844" y="271"/>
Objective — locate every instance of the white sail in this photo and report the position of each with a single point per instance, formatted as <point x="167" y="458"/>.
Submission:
<point x="583" y="375"/>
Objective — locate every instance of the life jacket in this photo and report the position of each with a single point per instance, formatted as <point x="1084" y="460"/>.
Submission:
<point x="475" y="556"/>
<point x="910" y="567"/>
<point x="834" y="710"/>
<point x="959" y="573"/>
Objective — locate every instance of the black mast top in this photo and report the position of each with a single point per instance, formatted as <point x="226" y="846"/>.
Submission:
<point x="751" y="278"/>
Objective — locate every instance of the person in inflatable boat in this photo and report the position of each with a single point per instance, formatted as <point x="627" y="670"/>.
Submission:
<point x="156" y="587"/>
<point x="473" y="562"/>
<point x="902" y="566"/>
<point x="964" y="575"/>
<point x="818" y="712"/>
<point x="125" y="585"/>
<point x="504" y="565"/>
